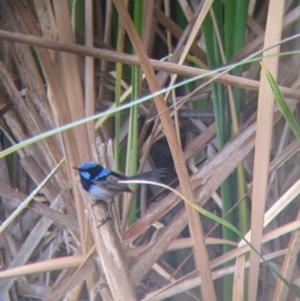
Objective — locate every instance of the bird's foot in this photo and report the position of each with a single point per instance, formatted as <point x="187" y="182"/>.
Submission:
<point x="103" y="221"/>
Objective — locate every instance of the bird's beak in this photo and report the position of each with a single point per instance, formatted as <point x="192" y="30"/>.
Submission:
<point x="75" y="167"/>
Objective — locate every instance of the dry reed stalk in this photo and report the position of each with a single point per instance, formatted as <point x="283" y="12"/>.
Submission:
<point x="51" y="95"/>
<point x="263" y="143"/>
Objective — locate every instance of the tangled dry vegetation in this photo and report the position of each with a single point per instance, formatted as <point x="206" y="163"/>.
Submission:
<point x="232" y="151"/>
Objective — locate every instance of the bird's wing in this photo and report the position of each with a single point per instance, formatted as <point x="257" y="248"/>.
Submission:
<point x="112" y="185"/>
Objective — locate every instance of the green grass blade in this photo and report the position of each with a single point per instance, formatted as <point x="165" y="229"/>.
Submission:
<point x="282" y="104"/>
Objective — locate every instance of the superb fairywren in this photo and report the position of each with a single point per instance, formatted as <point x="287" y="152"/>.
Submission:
<point x="102" y="183"/>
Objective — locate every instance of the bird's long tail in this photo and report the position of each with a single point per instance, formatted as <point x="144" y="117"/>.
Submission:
<point x="145" y="175"/>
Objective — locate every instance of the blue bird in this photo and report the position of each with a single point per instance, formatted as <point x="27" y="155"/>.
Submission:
<point x="102" y="183"/>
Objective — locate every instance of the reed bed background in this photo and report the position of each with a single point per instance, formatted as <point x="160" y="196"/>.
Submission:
<point x="140" y="85"/>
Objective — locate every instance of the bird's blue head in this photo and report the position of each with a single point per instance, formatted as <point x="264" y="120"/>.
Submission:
<point x="91" y="171"/>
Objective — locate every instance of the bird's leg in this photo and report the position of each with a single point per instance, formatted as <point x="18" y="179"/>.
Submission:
<point x="108" y="214"/>
<point x="95" y="202"/>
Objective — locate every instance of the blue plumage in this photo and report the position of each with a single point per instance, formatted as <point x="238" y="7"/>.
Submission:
<point x="102" y="183"/>
<point x="88" y="165"/>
